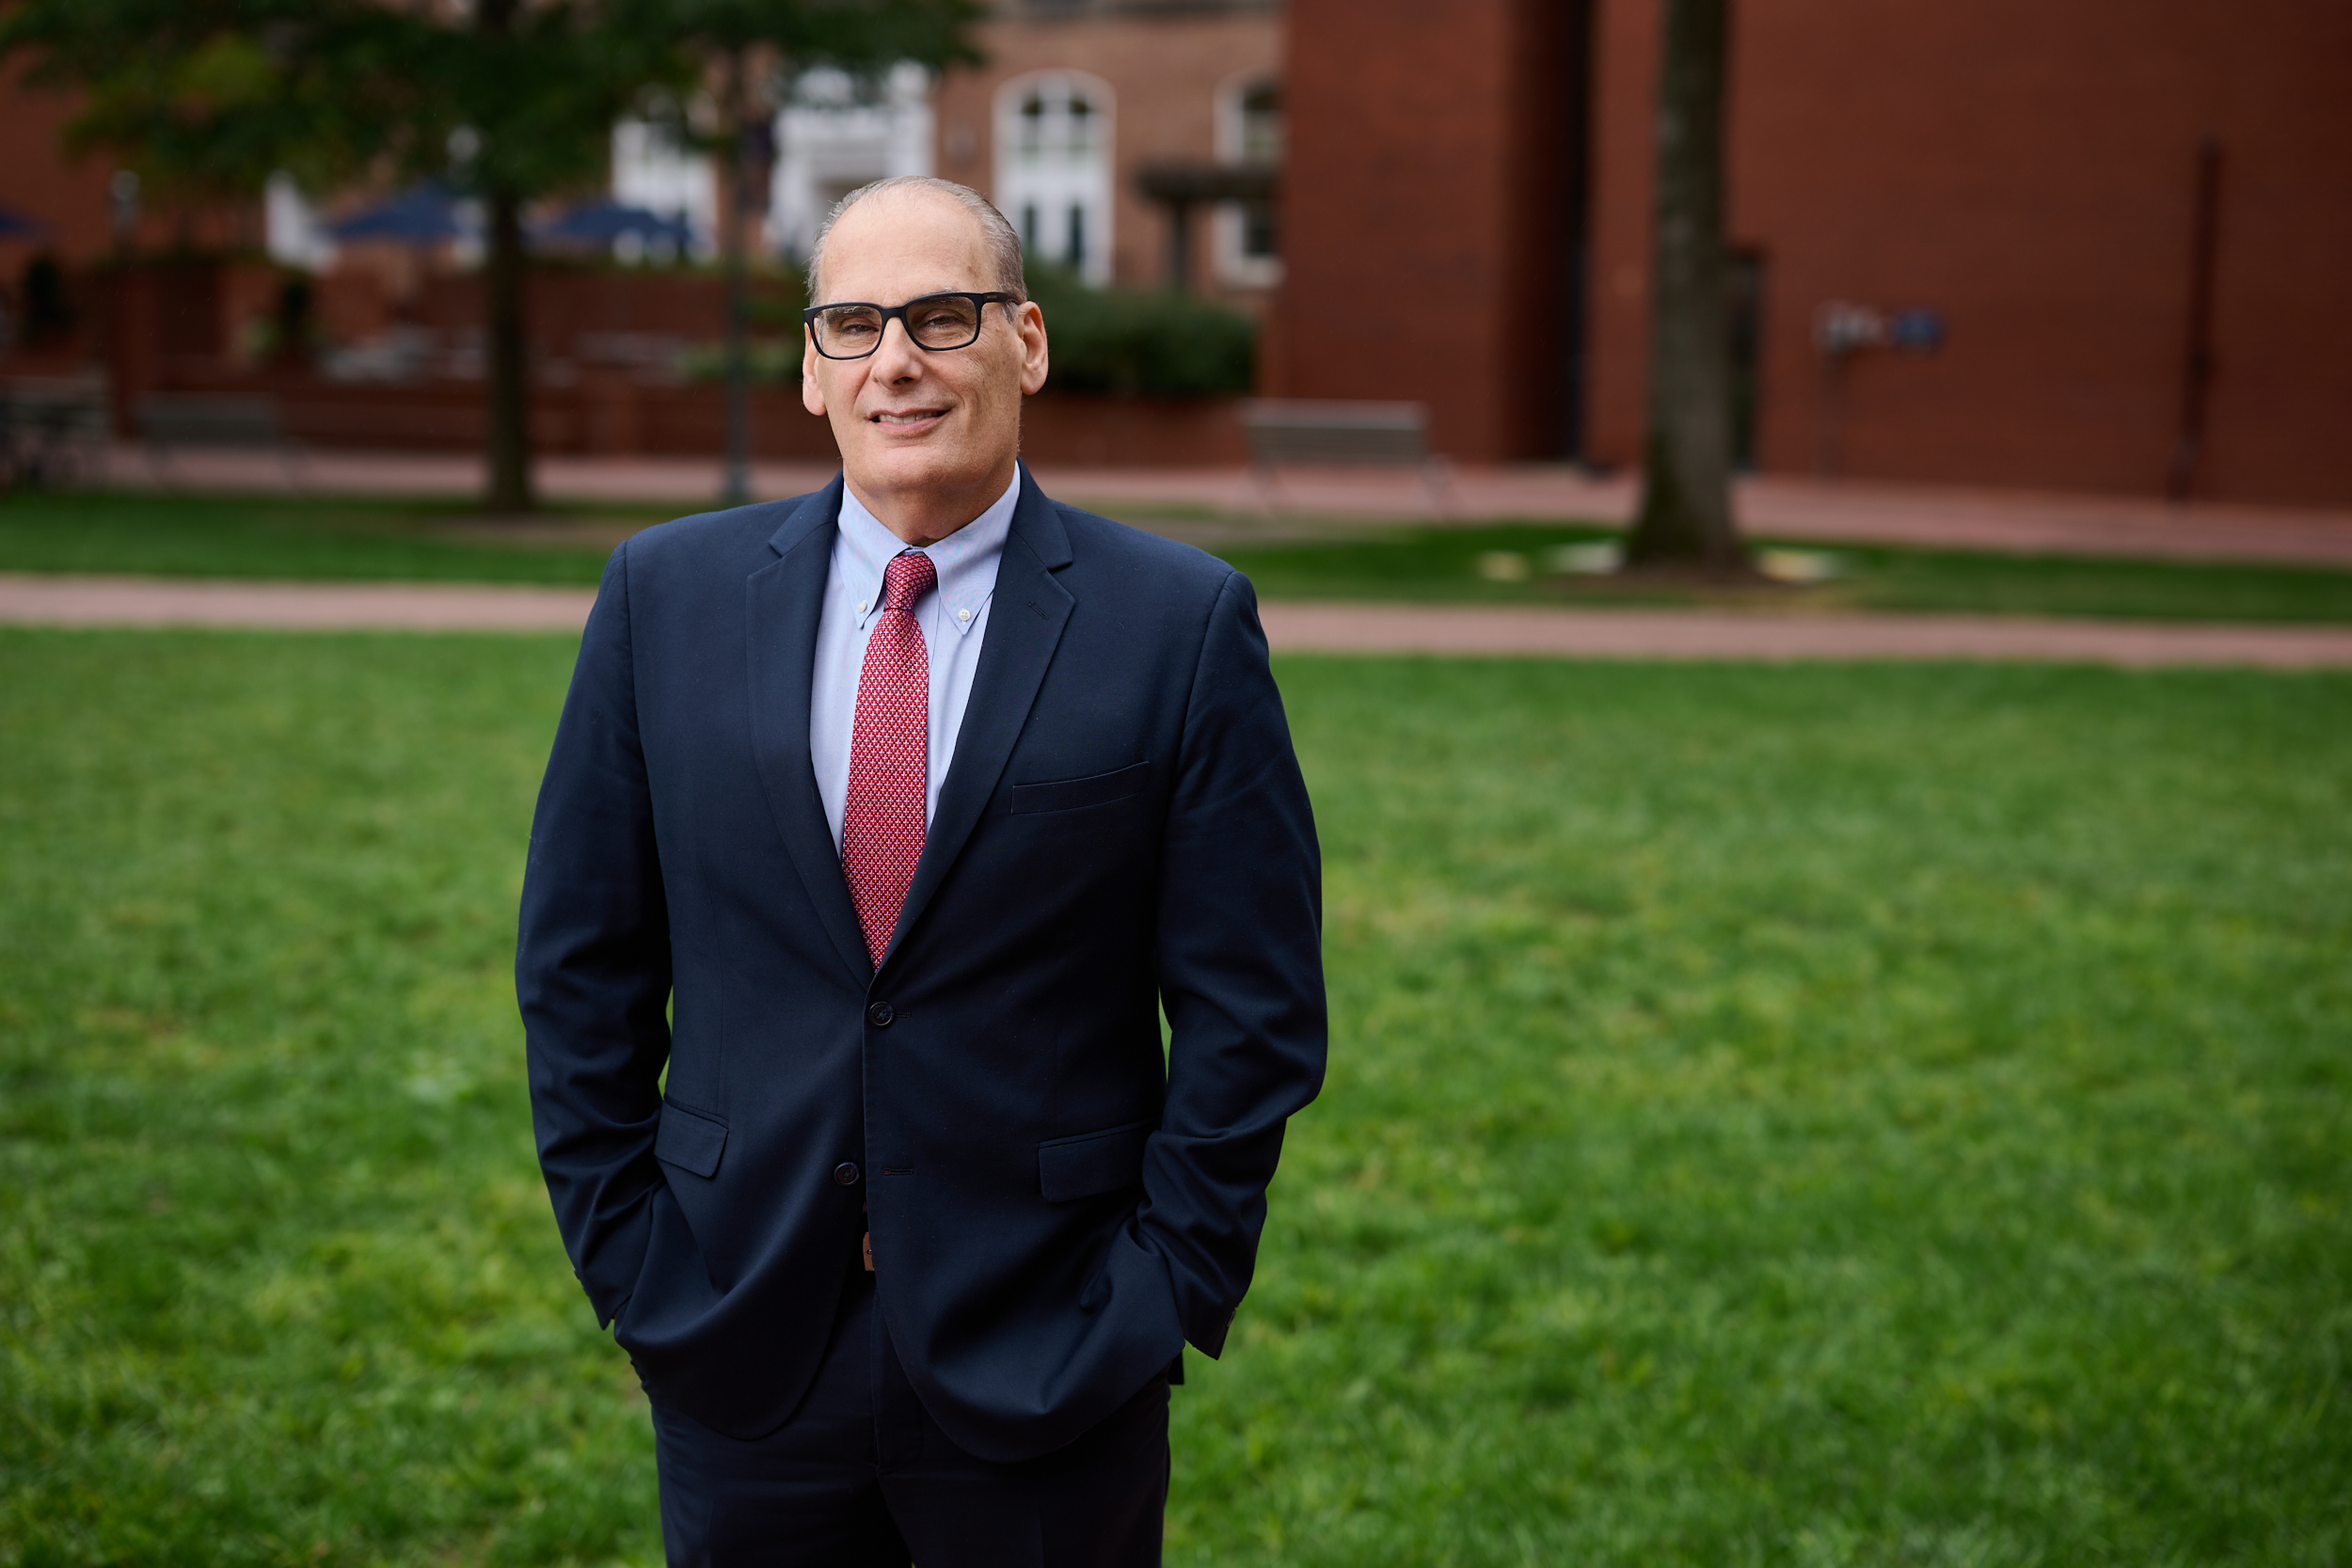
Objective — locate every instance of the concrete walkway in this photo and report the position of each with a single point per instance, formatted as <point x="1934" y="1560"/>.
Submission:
<point x="1356" y="629"/>
<point x="28" y="600"/>
<point x="1225" y="503"/>
<point x="1690" y="634"/>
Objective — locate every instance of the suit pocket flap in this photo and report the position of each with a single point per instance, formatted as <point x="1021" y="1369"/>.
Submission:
<point x="690" y="1140"/>
<point x="1092" y="1163"/>
<point x="1070" y="794"/>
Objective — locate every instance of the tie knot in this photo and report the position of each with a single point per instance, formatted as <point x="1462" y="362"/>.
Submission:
<point x="907" y="578"/>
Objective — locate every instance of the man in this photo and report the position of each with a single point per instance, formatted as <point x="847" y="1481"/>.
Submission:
<point x="889" y="819"/>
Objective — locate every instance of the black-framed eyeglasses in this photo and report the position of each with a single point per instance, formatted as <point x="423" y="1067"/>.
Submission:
<point x="852" y="330"/>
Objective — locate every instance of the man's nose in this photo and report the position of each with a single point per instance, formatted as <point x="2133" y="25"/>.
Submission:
<point x="897" y="359"/>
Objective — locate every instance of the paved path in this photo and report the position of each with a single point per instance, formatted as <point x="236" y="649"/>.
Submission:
<point x="1226" y="504"/>
<point x="26" y="599"/>
<point x="1690" y="634"/>
<point x="92" y="601"/>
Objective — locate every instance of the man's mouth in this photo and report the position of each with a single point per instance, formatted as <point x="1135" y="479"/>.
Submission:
<point x="912" y="417"/>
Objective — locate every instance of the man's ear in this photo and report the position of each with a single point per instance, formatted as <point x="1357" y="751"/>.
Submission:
<point x="1033" y="357"/>
<point x="811" y="398"/>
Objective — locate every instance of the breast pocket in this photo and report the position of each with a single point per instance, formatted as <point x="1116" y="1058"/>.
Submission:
<point x="1099" y="789"/>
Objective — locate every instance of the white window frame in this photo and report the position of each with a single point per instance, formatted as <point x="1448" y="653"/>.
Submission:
<point x="1233" y="268"/>
<point x="1054" y="180"/>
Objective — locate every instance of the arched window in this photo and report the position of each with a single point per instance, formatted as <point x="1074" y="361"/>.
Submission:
<point x="1249" y="131"/>
<point x="1054" y="150"/>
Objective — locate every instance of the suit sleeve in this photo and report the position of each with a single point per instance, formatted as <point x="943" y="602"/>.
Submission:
<point x="1240" y="969"/>
<point x="592" y="964"/>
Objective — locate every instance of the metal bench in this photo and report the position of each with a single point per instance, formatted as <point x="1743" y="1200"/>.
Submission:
<point x="1342" y="433"/>
<point x="53" y="430"/>
<point x="169" y="420"/>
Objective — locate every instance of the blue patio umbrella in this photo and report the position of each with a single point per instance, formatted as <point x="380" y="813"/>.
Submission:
<point x="16" y="226"/>
<point x="605" y="220"/>
<point x="426" y="214"/>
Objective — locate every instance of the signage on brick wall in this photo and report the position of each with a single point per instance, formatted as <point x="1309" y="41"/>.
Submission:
<point x="1840" y="328"/>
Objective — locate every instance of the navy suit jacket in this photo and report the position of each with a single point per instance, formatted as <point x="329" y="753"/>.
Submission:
<point x="1056" y="1204"/>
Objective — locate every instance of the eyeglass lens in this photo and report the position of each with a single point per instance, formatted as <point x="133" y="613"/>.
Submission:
<point x="947" y="322"/>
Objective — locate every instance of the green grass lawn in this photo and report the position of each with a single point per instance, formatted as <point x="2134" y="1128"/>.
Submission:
<point x="1811" y="1116"/>
<point x="291" y="536"/>
<point x="298" y="537"/>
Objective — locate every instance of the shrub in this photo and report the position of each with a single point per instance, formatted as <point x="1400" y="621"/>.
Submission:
<point x="771" y="362"/>
<point x="1134" y="342"/>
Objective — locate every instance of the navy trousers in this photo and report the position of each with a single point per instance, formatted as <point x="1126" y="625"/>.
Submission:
<point x="861" y="1477"/>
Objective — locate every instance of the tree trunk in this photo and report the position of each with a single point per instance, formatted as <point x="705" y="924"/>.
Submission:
<point x="1686" y="460"/>
<point x="510" y="372"/>
<point x="509" y="432"/>
<point x="735" y="489"/>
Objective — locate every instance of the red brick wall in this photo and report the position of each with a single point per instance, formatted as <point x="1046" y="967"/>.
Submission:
<point x="1083" y="430"/>
<point x="1420" y="205"/>
<point x="1624" y="83"/>
<point x="2027" y="169"/>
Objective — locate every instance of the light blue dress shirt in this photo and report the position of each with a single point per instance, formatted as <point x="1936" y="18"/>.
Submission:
<point x="954" y="618"/>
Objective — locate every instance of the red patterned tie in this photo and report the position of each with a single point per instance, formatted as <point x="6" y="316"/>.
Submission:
<point x="881" y="822"/>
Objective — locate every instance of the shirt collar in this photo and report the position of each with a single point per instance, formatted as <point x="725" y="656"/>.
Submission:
<point x="965" y="560"/>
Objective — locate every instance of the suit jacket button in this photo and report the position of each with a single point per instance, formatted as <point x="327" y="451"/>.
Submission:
<point x="879" y="1015"/>
<point x="845" y="1174"/>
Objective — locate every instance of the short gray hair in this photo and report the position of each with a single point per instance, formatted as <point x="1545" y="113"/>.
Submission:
<point x="1003" y="245"/>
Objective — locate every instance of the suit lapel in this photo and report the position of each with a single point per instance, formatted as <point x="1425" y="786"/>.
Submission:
<point x="1026" y="617"/>
<point x="783" y="601"/>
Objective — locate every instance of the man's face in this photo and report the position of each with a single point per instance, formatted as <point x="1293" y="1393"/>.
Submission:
<point x="919" y="426"/>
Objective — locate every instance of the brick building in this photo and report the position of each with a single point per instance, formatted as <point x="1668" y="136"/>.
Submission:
<point x="1095" y="123"/>
<point x="1082" y="101"/>
<point x="1467" y="216"/>
<point x="1079" y="102"/>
